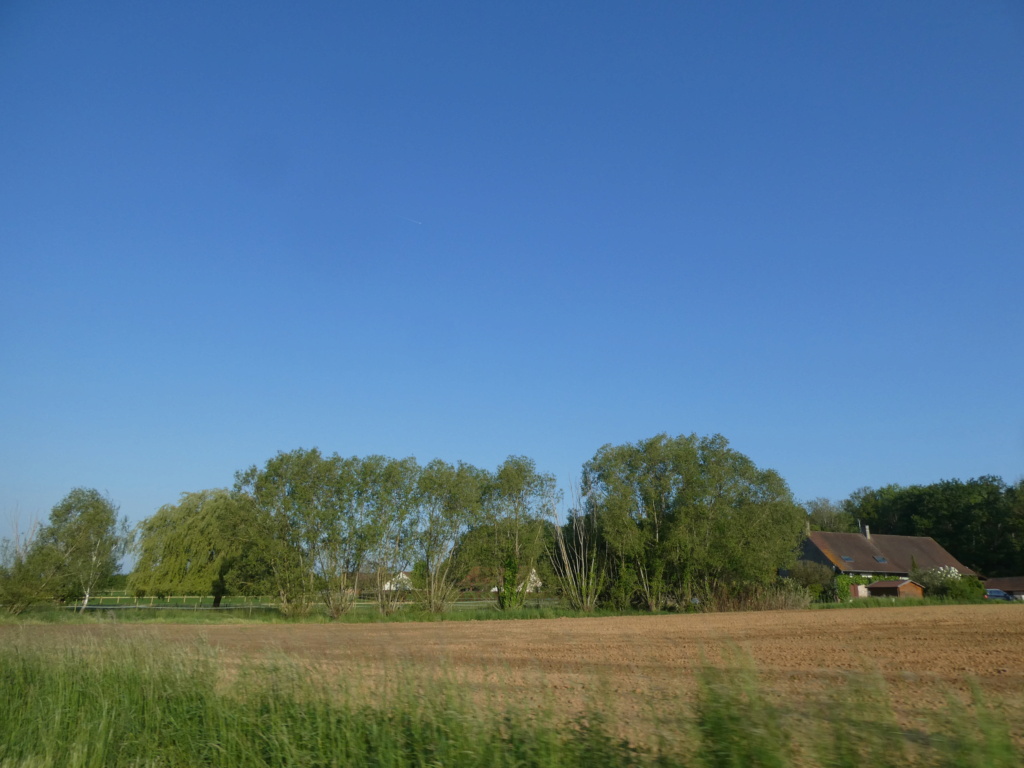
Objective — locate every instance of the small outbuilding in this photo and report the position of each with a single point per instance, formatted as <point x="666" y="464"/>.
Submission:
<point x="898" y="588"/>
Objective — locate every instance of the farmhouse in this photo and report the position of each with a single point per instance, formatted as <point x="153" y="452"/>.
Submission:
<point x="480" y="579"/>
<point x="402" y="582"/>
<point x="879" y="555"/>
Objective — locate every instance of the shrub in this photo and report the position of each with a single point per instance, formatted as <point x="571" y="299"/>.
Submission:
<point x="815" y="577"/>
<point x="946" y="581"/>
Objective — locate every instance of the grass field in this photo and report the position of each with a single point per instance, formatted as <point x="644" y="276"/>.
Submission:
<point x="923" y="686"/>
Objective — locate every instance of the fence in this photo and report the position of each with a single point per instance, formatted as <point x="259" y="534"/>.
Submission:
<point x="122" y="600"/>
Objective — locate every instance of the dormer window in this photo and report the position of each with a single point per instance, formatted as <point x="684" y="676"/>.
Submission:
<point x="880" y="559"/>
<point x="846" y="558"/>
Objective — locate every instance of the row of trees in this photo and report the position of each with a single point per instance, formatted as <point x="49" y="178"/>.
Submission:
<point x="309" y="528"/>
<point x="980" y="521"/>
<point x="655" y="523"/>
<point x="660" y="523"/>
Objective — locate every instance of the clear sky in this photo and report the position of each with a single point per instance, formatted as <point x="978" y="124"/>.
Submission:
<point x="470" y="230"/>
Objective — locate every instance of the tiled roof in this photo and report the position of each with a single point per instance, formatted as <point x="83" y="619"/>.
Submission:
<point x="883" y="553"/>
<point x="1006" y="583"/>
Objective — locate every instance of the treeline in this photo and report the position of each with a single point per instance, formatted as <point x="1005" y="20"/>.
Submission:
<point x="660" y="523"/>
<point x="663" y="523"/>
<point x="979" y="521"/>
<point x="655" y="524"/>
<point x="309" y="528"/>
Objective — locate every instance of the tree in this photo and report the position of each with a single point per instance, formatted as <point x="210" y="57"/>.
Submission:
<point x="980" y="521"/>
<point x="518" y="502"/>
<point x="27" y="571"/>
<point x="308" y="516"/>
<point x="575" y="556"/>
<point x="86" y="539"/>
<point x="877" y="508"/>
<point x="201" y="545"/>
<point x="449" y="498"/>
<point x="686" y="516"/>
<point x="390" y="496"/>
<point x="1013" y="532"/>
<point x="826" y="515"/>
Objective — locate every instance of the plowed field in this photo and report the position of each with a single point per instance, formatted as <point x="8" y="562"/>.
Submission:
<point x="925" y="654"/>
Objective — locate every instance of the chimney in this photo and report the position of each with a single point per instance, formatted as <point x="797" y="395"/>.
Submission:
<point x="867" y="531"/>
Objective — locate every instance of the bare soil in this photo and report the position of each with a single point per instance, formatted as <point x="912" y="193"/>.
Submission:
<point x="924" y="654"/>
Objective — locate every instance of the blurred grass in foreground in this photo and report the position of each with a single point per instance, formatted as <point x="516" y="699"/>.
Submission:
<point x="122" y="704"/>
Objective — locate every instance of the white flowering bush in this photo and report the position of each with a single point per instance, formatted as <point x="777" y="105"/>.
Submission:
<point x="947" y="581"/>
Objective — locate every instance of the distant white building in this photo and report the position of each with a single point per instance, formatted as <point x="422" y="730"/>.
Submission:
<point x="532" y="583"/>
<point x="401" y="583"/>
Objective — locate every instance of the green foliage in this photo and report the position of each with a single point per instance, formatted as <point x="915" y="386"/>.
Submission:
<point x="76" y="552"/>
<point x="126" y="705"/>
<point x="816" y="578"/>
<point x="314" y="522"/>
<point x="947" y="582"/>
<point x="200" y="546"/>
<point x="517" y="501"/>
<point x="687" y="515"/>
<point x="983" y="740"/>
<point x="865" y="731"/>
<point x="739" y="727"/>
<point x="967" y="588"/>
<point x="119" y="581"/>
<point x="86" y="540"/>
<point x="450" y="504"/>
<point x="624" y="589"/>
<point x="842" y="583"/>
<point x="130" y="705"/>
<point x="827" y="515"/>
<point x="575" y="558"/>
<point x="27" y="572"/>
<point x="980" y="521"/>
<point x="389" y="497"/>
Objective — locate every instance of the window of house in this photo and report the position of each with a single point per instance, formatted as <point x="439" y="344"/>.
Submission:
<point x="881" y="559"/>
<point x="846" y="558"/>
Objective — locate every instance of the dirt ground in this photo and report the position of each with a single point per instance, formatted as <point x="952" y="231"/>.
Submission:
<point x="925" y="654"/>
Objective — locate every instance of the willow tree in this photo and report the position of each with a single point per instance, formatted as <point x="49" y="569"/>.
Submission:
<point x="202" y="545"/>
<point x="449" y="504"/>
<point x="389" y="502"/>
<point x="518" y="507"/>
<point x="688" y="515"/>
<point x="309" y="519"/>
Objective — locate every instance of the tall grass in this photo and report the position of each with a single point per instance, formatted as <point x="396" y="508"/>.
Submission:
<point x="125" y="706"/>
<point x="128" y="705"/>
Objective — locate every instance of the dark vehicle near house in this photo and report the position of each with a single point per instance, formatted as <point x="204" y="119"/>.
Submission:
<point x="997" y="594"/>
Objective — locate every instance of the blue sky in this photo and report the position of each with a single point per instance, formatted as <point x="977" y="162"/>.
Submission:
<point x="470" y="230"/>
